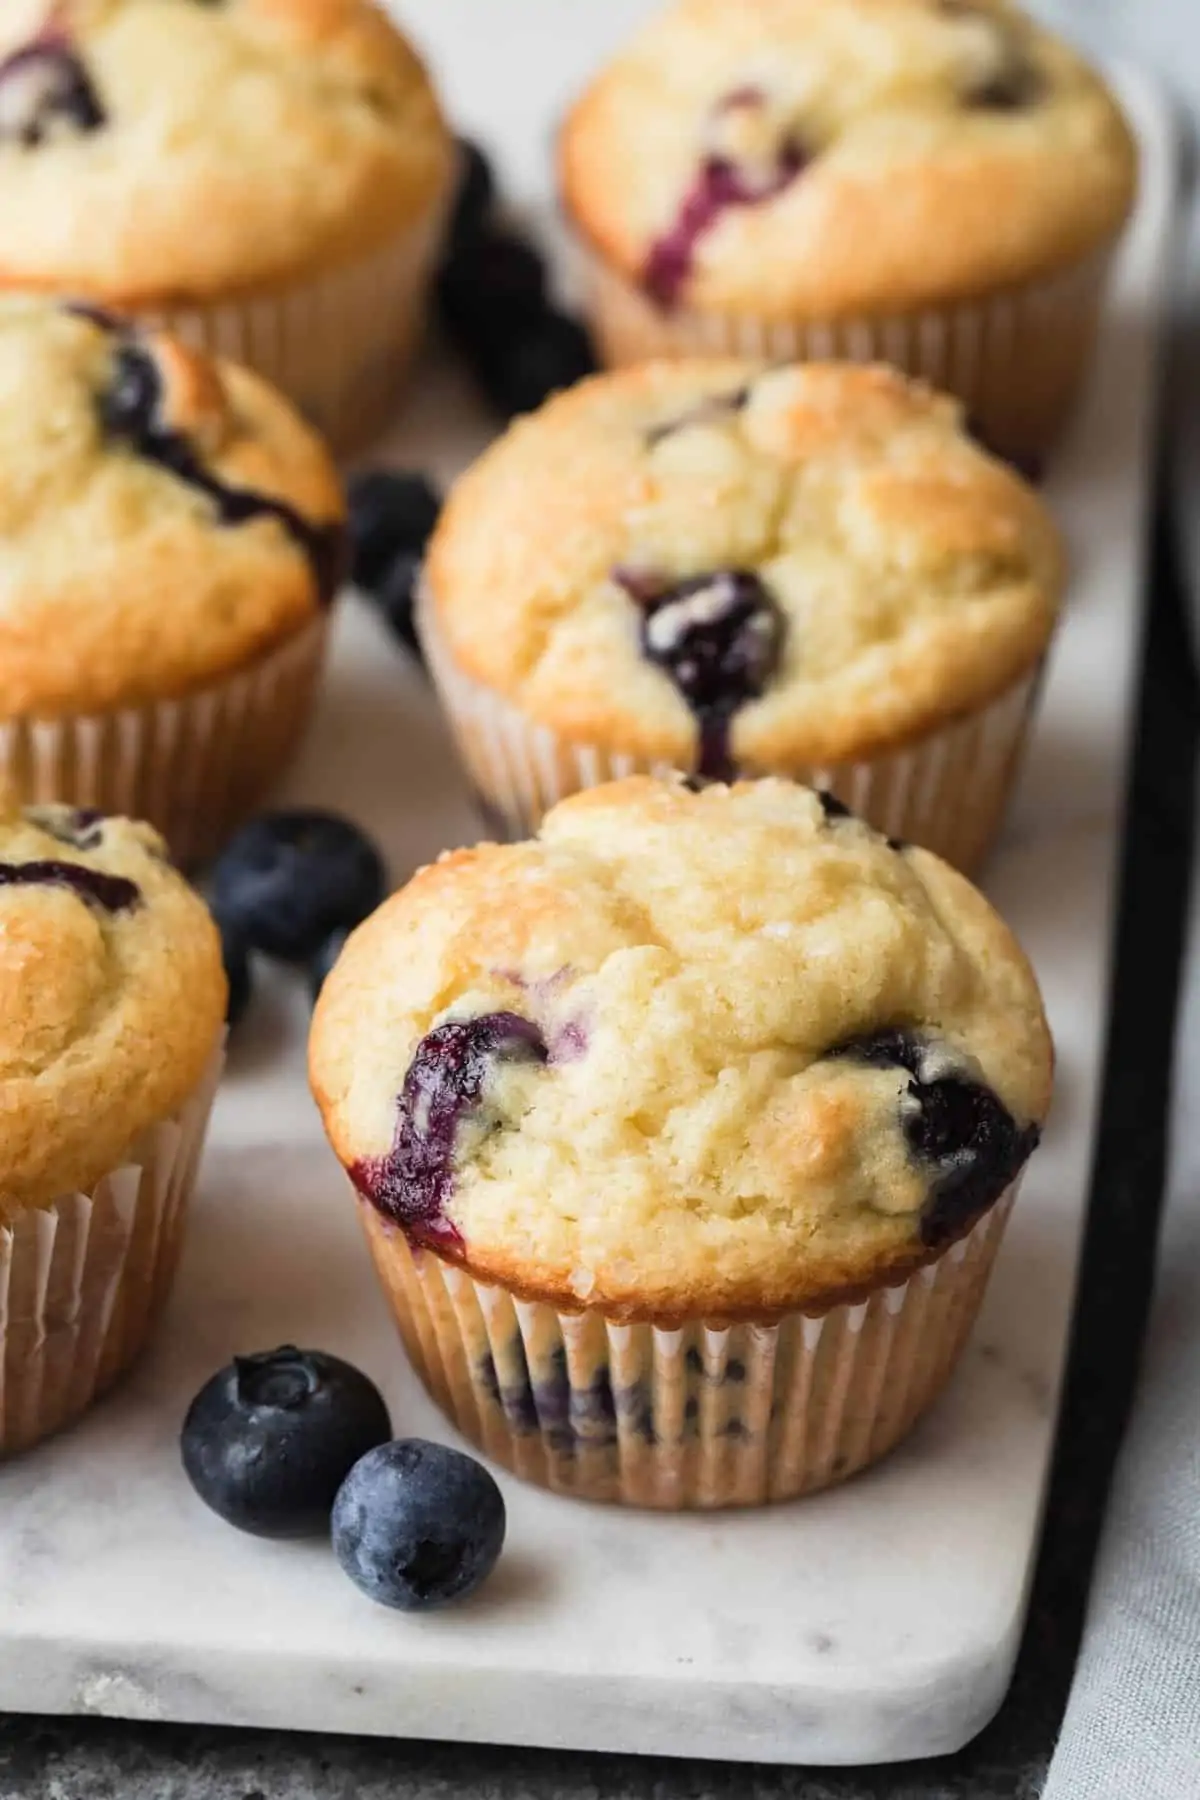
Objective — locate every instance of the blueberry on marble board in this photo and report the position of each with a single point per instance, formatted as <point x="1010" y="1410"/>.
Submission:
<point x="538" y="359"/>
<point x="489" y="286"/>
<point x="321" y="966"/>
<point x="288" y="880"/>
<point x="396" y="599"/>
<point x="476" y="192"/>
<point x="392" y="513"/>
<point x="269" y="1440"/>
<point x="235" y="954"/>
<point x="417" y="1525"/>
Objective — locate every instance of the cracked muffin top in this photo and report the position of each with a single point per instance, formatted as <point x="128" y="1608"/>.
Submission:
<point x="824" y="157"/>
<point x="726" y="567"/>
<point x="721" y="1052"/>
<point x="152" y="150"/>
<point x="164" y="517"/>
<point x="112" y="997"/>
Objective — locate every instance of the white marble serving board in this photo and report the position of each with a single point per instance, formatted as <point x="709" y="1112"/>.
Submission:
<point x="874" y="1622"/>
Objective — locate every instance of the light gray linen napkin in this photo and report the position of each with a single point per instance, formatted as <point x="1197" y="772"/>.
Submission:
<point x="1132" y="1725"/>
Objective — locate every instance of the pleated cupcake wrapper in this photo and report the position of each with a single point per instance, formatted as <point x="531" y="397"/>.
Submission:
<point x="339" y="343"/>
<point x="194" y="767"/>
<point x="83" y="1279"/>
<point x="696" y="1416"/>
<point x="1016" y="359"/>
<point x="946" y="791"/>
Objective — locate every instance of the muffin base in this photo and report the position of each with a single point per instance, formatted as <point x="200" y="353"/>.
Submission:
<point x="194" y="767"/>
<point x="339" y="344"/>
<point x="699" y="1416"/>
<point x="946" y="791"/>
<point x="84" y="1279"/>
<point x="1016" y="359"/>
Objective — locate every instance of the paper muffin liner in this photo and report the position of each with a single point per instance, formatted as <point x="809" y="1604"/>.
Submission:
<point x="946" y="791"/>
<point x="84" y="1279"/>
<point x="338" y="343"/>
<point x="693" y="1416"/>
<point x="194" y="767"/>
<point x="1016" y="359"/>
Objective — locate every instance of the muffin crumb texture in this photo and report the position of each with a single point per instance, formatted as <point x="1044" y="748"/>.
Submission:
<point x="717" y="1053"/>
<point x="734" y="569"/>
<point x="112" y="997"/>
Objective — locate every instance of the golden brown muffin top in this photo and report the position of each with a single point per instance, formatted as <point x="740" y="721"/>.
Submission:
<point x="112" y="997"/>
<point x="684" y="1054"/>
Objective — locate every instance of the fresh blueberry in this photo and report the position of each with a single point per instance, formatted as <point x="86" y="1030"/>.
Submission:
<point x="269" y="1440"/>
<point x="953" y="1125"/>
<point x="45" y="89"/>
<point x="490" y="286"/>
<point x="235" y="954"/>
<point x="289" y="879"/>
<point x="396" y="599"/>
<point x="547" y="353"/>
<point x="417" y="1525"/>
<point x="322" y="963"/>
<point x="476" y="192"/>
<point x="391" y="514"/>
<point x="444" y="1089"/>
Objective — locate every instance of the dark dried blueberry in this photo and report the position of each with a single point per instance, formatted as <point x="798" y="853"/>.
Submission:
<point x="392" y="512"/>
<point x="289" y="879"/>
<point x="476" y="193"/>
<point x="44" y="89"/>
<point x="445" y="1086"/>
<point x="832" y="807"/>
<point x="954" y="1125"/>
<point x="111" y="893"/>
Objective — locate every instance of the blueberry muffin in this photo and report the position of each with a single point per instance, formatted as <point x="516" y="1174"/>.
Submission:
<point x="934" y="183"/>
<point x="266" y="177"/>
<point x="684" y="1134"/>
<point x="171" y="535"/>
<point x="810" y="571"/>
<point x="112" y="1001"/>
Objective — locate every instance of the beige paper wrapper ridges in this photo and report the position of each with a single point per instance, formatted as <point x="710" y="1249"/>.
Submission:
<point x="1016" y="359"/>
<point x="83" y="1280"/>
<point x="339" y="343"/>
<point x="689" y="1418"/>
<point x="195" y="767"/>
<point x="947" y="791"/>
